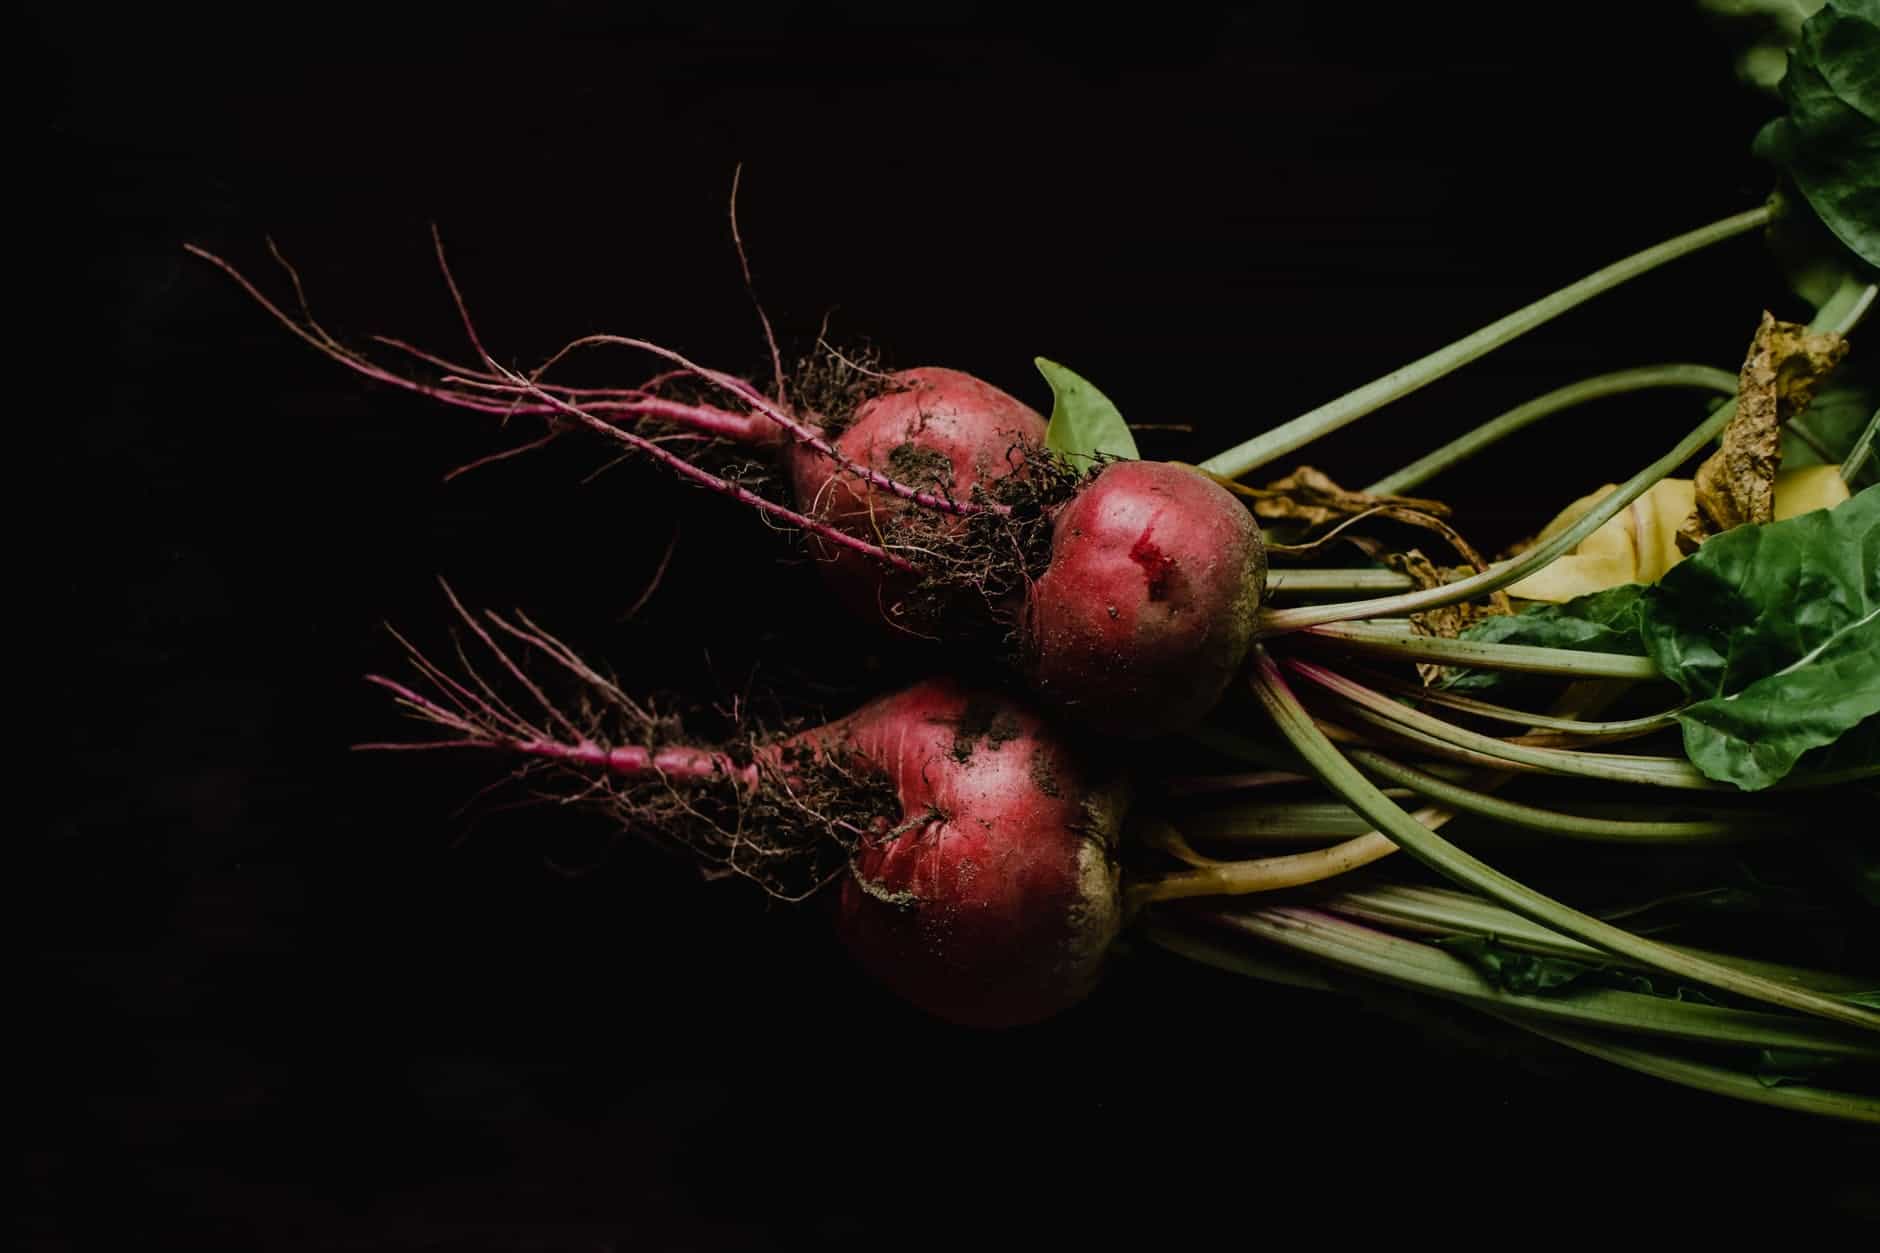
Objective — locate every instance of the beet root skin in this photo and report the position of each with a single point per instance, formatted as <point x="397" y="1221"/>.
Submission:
<point x="931" y="423"/>
<point x="1147" y="609"/>
<point x="995" y="900"/>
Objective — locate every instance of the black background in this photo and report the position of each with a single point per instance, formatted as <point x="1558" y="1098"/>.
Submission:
<point x="286" y="996"/>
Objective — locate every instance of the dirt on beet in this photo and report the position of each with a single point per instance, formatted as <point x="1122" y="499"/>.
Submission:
<point x="975" y="570"/>
<point x="829" y="384"/>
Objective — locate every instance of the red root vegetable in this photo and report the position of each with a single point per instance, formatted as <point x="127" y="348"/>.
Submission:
<point x="1146" y="611"/>
<point x="933" y="428"/>
<point x="996" y="901"/>
<point x="1126" y="596"/>
<point x="976" y="853"/>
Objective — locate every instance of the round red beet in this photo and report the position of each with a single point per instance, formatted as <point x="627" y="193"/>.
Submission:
<point x="994" y="901"/>
<point x="1147" y="608"/>
<point x="937" y="430"/>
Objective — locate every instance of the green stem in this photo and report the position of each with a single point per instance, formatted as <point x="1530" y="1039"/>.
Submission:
<point x="1370" y="640"/>
<point x="1379" y="710"/>
<point x="1497" y="577"/>
<point x="1279" y="821"/>
<point x="1856" y="459"/>
<point x="1445" y="911"/>
<point x="1839" y="313"/>
<point x="1425" y="968"/>
<point x="1283" y="969"/>
<point x="1719" y="829"/>
<point x="1453" y="863"/>
<point x="1400" y="382"/>
<point x="1315" y="582"/>
<point x="1574" y="394"/>
<point x="1270" y="874"/>
<point x="1713" y="1079"/>
<point x="1521" y="717"/>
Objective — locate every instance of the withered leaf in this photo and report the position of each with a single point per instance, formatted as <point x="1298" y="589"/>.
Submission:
<point x="1736" y="484"/>
<point x="1311" y="498"/>
<point x="1449" y="621"/>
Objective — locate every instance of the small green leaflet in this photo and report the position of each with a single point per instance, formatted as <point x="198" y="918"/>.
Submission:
<point x="1830" y="141"/>
<point x="1083" y="421"/>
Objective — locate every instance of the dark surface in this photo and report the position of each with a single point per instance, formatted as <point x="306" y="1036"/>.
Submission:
<point x="284" y="996"/>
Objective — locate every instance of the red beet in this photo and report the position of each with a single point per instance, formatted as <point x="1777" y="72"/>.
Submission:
<point x="994" y="902"/>
<point x="977" y="855"/>
<point x="1134" y="616"/>
<point x="1146" y="611"/>
<point x="938" y="430"/>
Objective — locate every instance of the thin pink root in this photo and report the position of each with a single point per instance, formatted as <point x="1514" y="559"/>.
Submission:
<point x="675" y="764"/>
<point x="797" y="430"/>
<point x="477" y="717"/>
<point x="495" y="390"/>
<point x="618" y="402"/>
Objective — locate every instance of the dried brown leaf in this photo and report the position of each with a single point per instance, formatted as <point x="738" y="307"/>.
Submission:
<point x="1310" y="497"/>
<point x="1449" y="621"/>
<point x="1736" y="484"/>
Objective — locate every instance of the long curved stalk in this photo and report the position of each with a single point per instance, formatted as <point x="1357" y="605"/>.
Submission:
<point x="1400" y="382"/>
<point x="1346" y="779"/>
<point x="1423" y="967"/>
<point x="1521" y="717"/>
<point x="1856" y="459"/>
<point x="1315" y="581"/>
<point x="1678" y="772"/>
<point x="1276" y="822"/>
<point x="1720" y="829"/>
<point x="1497" y="577"/>
<point x="1800" y="1098"/>
<point x="1839" y="313"/>
<point x="1271" y="874"/>
<point x="1282" y="968"/>
<point x="1559" y="400"/>
<point x="1372" y="641"/>
<point x="1446" y="911"/>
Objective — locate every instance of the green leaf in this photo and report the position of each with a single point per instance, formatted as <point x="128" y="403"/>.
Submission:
<point x="1083" y="421"/>
<point x="1775" y="631"/>
<point x="1829" y="144"/>
<point x="1602" y="622"/>
<point x="1834" y="420"/>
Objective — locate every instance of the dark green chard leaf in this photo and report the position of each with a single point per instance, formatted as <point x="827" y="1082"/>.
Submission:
<point x="1813" y="259"/>
<point x="1083" y="421"/>
<point x="1831" y="424"/>
<point x="1775" y="630"/>
<point x="1829" y="144"/>
<point x="1603" y="622"/>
